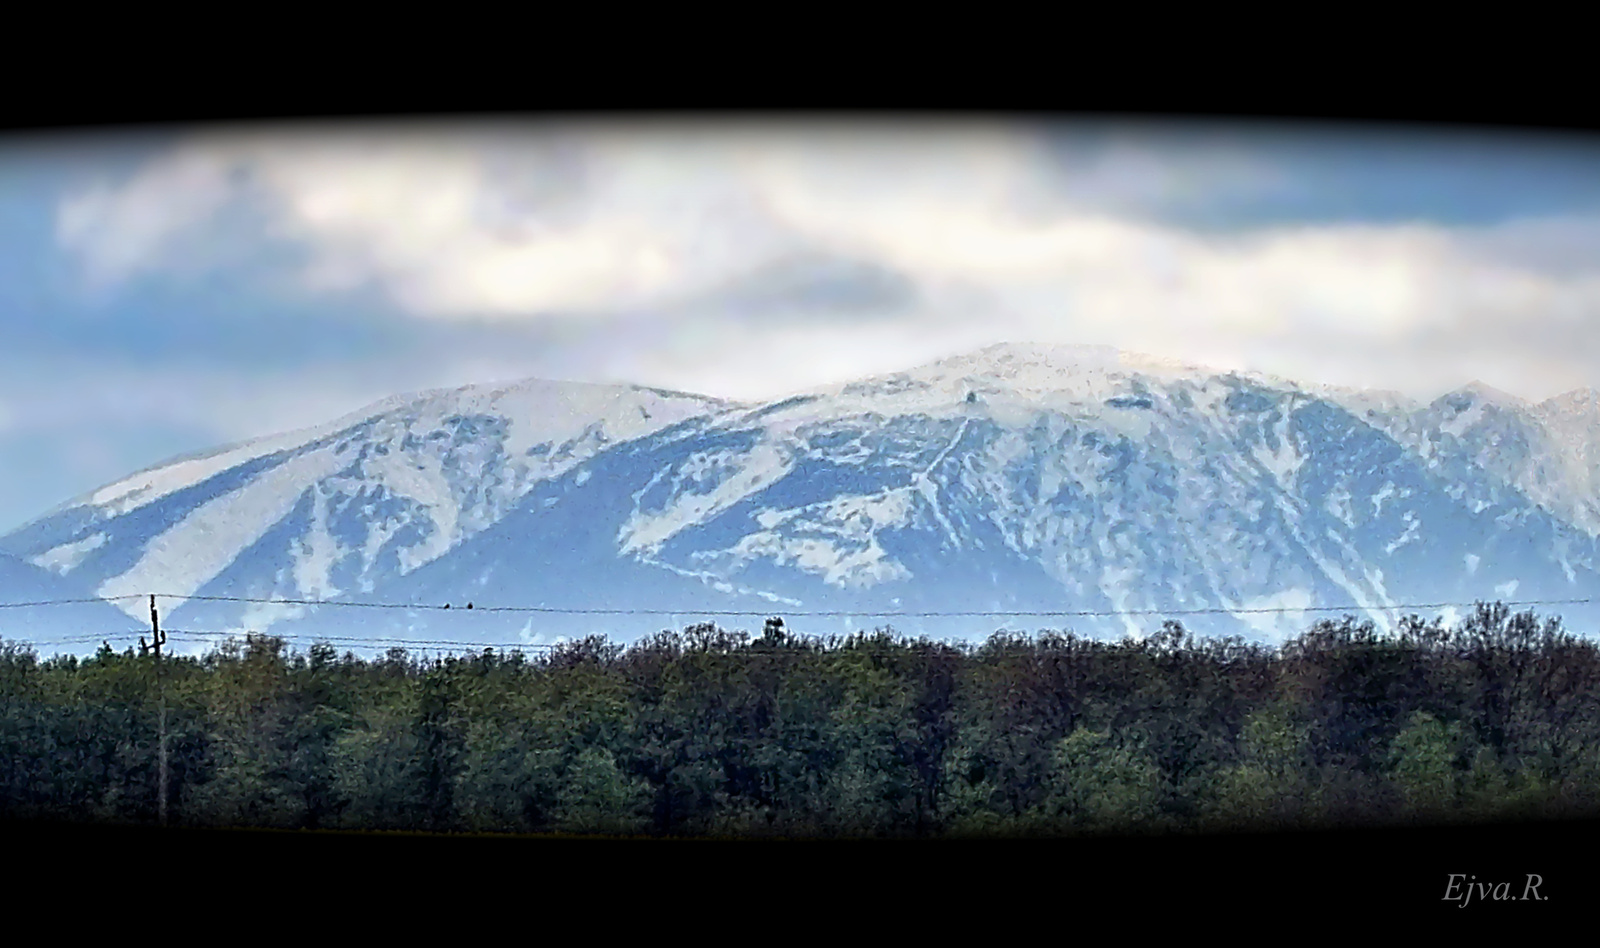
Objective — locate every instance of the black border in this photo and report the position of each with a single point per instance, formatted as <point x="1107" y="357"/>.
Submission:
<point x="1326" y="879"/>
<point x="1222" y="883"/>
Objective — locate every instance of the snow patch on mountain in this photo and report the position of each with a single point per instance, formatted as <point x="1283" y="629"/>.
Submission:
<point x="1284" y="460"/>
<point x="421" y="480"/>
<point x="1282" y="613"/>
<point x="760" y="467"/>
<point x="836" y="539"/>
<point x="1413" y="525"/>
<point x="259" y="616"/>
<point x="186" y="556"/>
<point x="857" y="566"/>
<point x="1338" y="504"/>
<point x="64" y="558"/>
<point x="155" y="483"/>
<point x="1329" y="568"/>
<point x="316" y="554"/>
<point x="1387" y="491"/>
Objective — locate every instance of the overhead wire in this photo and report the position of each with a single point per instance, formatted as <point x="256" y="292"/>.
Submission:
<point x="349" y="641"/>
<point x="858" y="613"/>
<point x="63" y="602"/>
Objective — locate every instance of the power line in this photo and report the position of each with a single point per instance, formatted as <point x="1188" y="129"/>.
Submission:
<point x="357" y="640"/>
<point x="314" y="602"/>
<point x="348" y="641"/>
<point x="63" y="602"/>
<point x="834" y="613"/>
<point x="342" y="640"/>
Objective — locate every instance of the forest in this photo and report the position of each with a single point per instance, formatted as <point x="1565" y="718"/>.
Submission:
<point x="707" y="732"/>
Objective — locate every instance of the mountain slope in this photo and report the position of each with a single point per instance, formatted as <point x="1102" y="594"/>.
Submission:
<point x="1018" y="478"/>
<point x="22" y="582"/>
<point x="319" y="511"/>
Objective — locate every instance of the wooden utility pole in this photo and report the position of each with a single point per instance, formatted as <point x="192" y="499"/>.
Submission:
<point x="158" y="637"/>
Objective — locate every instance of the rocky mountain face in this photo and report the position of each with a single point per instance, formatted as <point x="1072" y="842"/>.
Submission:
<point x="1015" y="479"/>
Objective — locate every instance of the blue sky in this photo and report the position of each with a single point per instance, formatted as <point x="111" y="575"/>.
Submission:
<point x="166" y="292"/>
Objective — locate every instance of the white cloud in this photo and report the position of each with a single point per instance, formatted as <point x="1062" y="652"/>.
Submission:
<point x="118" y="230"/>
<point x="999" y="240"/>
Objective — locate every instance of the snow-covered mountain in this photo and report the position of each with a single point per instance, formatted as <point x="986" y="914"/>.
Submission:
<point x="1051" y="479"/>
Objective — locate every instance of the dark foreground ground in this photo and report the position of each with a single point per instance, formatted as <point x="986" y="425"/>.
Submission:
<point x="1348" y="880"/>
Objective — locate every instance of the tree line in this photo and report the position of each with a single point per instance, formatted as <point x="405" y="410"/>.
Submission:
<point x="707" y="732"/>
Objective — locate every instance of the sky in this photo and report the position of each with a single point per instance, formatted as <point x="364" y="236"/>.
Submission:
<point x="165" y="291"/>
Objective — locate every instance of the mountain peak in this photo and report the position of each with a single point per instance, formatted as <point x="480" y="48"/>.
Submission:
<point x="1579" y="399"/>
<point x="1035" y="364"/>
<point x="1485" y="392"/>
<point x="517" y="391"/>
<point x="540" y="410"/>
<point x="1043" y="352"/>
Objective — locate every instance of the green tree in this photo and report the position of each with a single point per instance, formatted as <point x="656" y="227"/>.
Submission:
<point x="254" y="734"/>
<point x="1099" y="784"/>
<point x="874" y="786"/>
<point x="1424" y="759"/>
<point x="597" y="797"/>
<point x="1268" y="786"/>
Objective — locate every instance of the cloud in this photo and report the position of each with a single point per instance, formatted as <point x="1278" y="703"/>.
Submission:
<point x="120" y="230"/>
<point x="570" y="219"/>
<point x="816" y="283"/>
<point x="933" y="235"/>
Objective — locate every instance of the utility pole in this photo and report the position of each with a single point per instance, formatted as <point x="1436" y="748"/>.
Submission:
<point x="157" y="638"/>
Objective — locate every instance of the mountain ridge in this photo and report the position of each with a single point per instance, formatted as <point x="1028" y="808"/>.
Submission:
<point x="1021" y="477"/>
